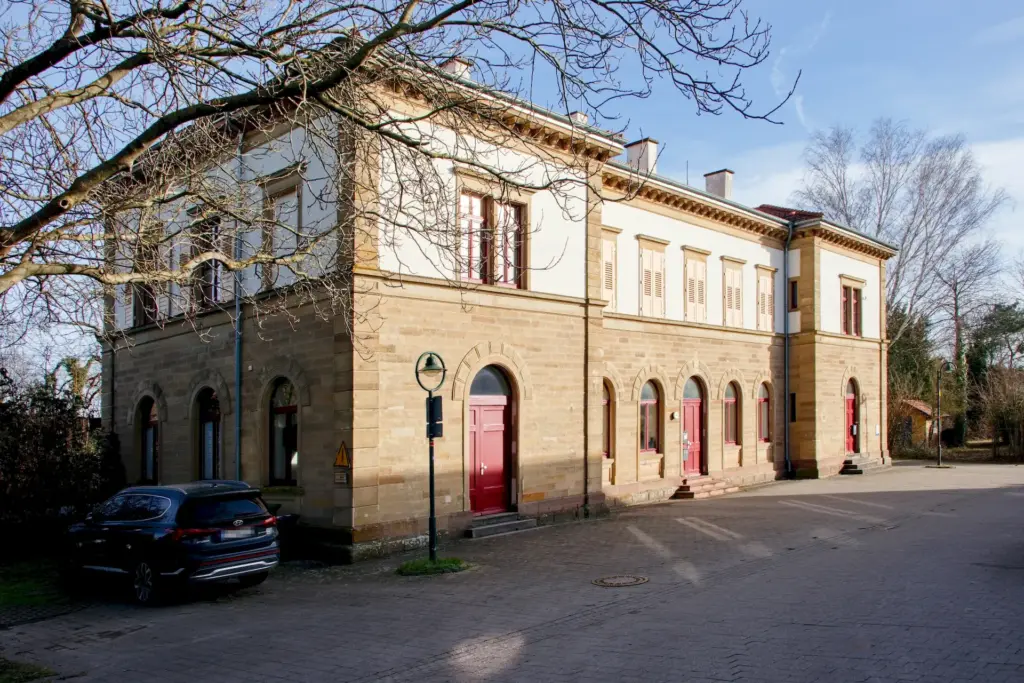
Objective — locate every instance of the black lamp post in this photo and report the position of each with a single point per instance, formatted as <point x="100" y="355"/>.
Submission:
<point x="430" y="374"/>
<point x="944" y="366"/>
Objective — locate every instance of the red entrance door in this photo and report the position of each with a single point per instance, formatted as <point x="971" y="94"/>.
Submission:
<point x="851" y="418"/>
<point x="693" y="412"/>
<point x="488" y="453"/>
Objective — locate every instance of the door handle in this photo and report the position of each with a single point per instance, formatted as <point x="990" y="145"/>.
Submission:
<point x="483" y="468"/>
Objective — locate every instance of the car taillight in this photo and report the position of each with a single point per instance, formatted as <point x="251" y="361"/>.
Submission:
<point x="269" y="521"/>
<point x="193" y="535"/>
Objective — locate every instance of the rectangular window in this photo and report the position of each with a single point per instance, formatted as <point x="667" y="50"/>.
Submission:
<point x="493" y="241"/>
<point x="851" y="311"/>
<point x="282" y="212"/>
<point x="730" y="421"/>
<point x="608" y="270"/>
<point x="792" y="407"/>
<point x="652" y="282"/>
<point x="206" y="278"/>
<point x="695" y="274"/>
<point x="732" y="295"/>
<point x="763" y="419"/>
<point x="144" y="305"/>
<point x="794" y="301"/>
<point x="765" y="299"/>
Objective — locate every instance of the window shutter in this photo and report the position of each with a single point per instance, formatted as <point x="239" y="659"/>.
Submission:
<point x="701" y="273"/>
<point x="185" y="290"/>
<point x="689" y="291"/>
<point x="286" y="239"/>
<point x="659" y="284"/>
<point x="608" y="272"/>
<point x="646" y="282"/>
<point x="770" y="315"/>
<point x="173" y="288"/>
<point x="737" y="286"/>
<point x="163" y="297"/>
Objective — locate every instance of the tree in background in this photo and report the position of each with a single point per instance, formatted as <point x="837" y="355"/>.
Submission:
<point x="910" y="372"/>
<point x="120" y="118"/>
<point x="923" y="194"/>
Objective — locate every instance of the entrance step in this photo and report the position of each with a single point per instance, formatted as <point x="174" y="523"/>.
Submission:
<point x="703" y="487"/>
<point x="495" y="525"/>
<point x="858" y="464"/>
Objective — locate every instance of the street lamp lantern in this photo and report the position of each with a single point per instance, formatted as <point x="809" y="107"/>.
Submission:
<point x="430" y="375"/>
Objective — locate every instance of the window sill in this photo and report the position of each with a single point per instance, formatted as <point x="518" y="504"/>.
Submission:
<point x="650" y="456"/>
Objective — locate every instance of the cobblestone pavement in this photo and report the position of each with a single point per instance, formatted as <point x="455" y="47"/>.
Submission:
<point x="908" y="575"/>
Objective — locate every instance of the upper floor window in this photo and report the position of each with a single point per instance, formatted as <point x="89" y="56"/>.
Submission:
<point x="652" y="276"/>
<point x="695" y="276"/>
<point x="207" y="277"/>
<point x="765" y="299"/>
<point x="282" y="213"/>
<point x="732" y="292"/>
<point x="144" y="304"/>
<point x="732" y="414"/>
<point x="851" y="310"/>
<point x="794" y="299"/>
<point x="493" y="241"/>
<point x="650" y="412"/>
<point x="609" y="265"/>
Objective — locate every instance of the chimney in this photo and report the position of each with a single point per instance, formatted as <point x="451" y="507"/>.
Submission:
<point x="642" y="155"/>
<point x="579" y="118"/>
<point x="460" y="67"/>
<point x="719" y="183"/>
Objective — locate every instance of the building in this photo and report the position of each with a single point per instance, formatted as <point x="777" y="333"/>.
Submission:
<point x="631" y="335"/>
<point x="918" y="428"/>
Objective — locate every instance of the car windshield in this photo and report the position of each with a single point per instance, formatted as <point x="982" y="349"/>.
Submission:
<point x="220" y="510"/>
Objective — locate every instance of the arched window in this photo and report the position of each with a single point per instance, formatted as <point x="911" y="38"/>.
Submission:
<point x="606" y="420"/>
<point x="732" y="413"/>
<point x="149" y="440"/>
<point x="284" y="435"/>
<point x="650" y="411"/>
<point x="490" y="381"/>
<point x="764" y="412"/>
<point x="692" y="389"/>
<point x="209" y="434"/>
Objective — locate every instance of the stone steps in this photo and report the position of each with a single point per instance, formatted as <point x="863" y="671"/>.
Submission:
<point x="859" y="464"/>
<point x="501" y="523"/>
<point x="703" y="487"/>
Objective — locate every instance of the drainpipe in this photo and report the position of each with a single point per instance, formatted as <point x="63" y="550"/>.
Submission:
<point x="238" y="332"/>
<point x="785" y="279"/>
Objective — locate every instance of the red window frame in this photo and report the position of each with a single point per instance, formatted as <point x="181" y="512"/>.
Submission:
<point x="764" y="418"/>
<point x="852" y="307"/>
<point x="731" y="418"/>
<point x="495" y="255"/>
<point x="649" y="431"/>
<point x="856" y="313"/>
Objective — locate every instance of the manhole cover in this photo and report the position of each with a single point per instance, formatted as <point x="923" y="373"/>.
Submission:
<point x="619" y="581"/>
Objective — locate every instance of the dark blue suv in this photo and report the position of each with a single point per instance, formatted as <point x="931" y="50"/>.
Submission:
<point x="164" y="537"/>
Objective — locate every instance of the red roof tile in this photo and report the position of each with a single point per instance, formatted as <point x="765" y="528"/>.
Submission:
<point x="789" y="214"/>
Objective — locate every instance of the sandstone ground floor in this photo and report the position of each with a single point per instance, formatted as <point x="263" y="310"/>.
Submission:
<point x="798" y="582"/>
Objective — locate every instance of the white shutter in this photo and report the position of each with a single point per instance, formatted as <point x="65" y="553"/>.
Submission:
<point x="689" y="290"/>
<point x="252" y="243"/>
<point x="762" y="301"/>
<point x="700" y="269"/>
<point x="727" y="297"/>
<point x="646" y="282"/>
<point x="659" y="283"/>
<point x="122" y="306"/>
<point x="770" y="294"/>
<point x="183" y="252"/>
<point x="737" y="286"/>
<point x="608" y="272"/>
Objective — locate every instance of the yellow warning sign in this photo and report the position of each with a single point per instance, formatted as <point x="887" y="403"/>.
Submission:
<point x="342" y="459"/>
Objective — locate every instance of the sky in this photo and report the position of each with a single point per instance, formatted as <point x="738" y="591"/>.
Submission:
<point x="947" y="67"/>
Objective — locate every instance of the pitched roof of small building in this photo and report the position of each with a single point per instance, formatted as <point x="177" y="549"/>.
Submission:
<point x="921" y="407"/>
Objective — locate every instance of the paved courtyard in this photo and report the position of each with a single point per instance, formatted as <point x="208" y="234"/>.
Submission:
<point x="912" y="574"/>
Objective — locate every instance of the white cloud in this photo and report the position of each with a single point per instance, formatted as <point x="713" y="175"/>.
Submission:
<point x="1006" y="32"/>
<point x="781" y="81"/>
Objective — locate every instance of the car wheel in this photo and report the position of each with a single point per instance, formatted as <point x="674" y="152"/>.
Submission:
<point x="145" y="583"/>
<point x="250" y="580"/>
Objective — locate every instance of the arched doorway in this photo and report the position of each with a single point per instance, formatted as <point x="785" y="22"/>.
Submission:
<point x="852" y="418"/>
<point x="208" y="437"/>
<point x="693" y="426"/>
<point x="490" y="441"/>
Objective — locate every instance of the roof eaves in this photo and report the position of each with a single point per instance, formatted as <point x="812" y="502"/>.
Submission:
<point x="701" y="193"/>
<point x="844" y="228"/>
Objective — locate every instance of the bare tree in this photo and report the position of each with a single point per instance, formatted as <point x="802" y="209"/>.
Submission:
<point x="967" y="281"/>
<point x="925" y="195"/>
<point x="133" y="133"/>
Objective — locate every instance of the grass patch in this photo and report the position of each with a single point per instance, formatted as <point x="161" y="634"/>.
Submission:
<point x="16" y="672"/>
<point x="29" y="584"/>
<point x="424" y="567"/>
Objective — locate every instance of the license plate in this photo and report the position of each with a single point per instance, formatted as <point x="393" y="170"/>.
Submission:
<point x="232" y="534"/>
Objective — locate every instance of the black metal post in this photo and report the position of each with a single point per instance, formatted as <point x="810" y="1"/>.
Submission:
<point x="433" y="515"/>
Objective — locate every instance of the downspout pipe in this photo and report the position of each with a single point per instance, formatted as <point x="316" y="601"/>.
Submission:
<point x="238" y="331"/>
<point x="786" y="364"/>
